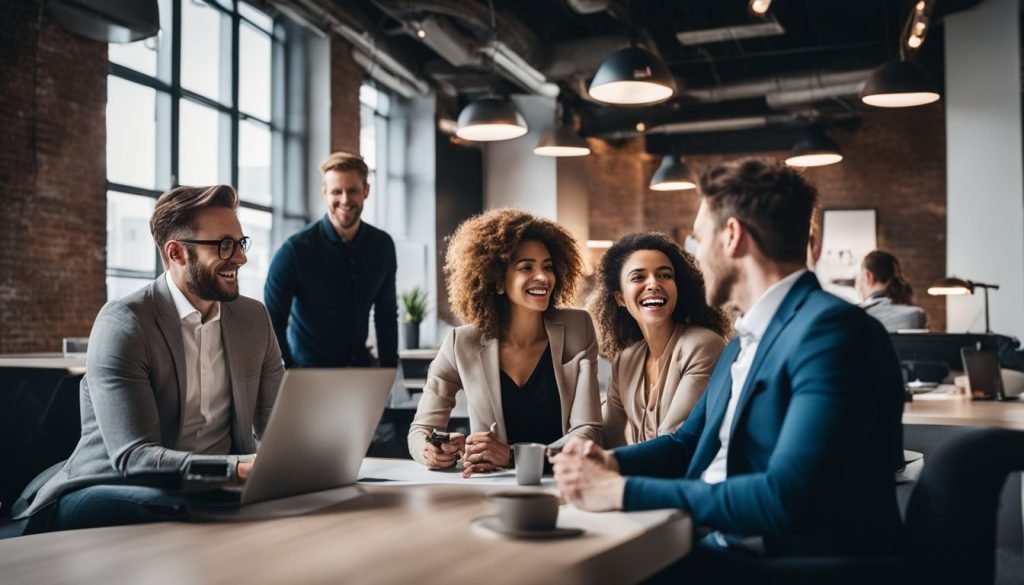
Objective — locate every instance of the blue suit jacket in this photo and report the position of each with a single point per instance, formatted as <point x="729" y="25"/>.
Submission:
<point x="815" y="438"/>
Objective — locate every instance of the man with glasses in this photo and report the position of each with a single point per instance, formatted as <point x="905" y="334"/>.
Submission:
<point x="325" y="279"/>
<point x="180" y="378"/>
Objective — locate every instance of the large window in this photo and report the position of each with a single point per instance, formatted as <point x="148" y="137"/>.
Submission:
<point x="192" y="106"/>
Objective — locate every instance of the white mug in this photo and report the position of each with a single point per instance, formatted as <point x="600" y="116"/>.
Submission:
<point x="529" y="462"/>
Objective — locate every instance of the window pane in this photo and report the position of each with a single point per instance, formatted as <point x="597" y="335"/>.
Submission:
<point x="258" y="17"/>
<point x="257" y="225"/>
<point x="205" y="68"/>
<point x="203" y="145"/>
<point x="131" y="133"/>
<point x="129" y="243"/>
<point x="118" y="286"/>
<point x="254" y="72"/>
<point x="368" y="137"/>
<point x="140" y="55"/>
<point x="254" y="162"/>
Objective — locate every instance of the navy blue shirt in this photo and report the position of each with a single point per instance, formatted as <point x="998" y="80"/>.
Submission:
<point x="319" y="292"/>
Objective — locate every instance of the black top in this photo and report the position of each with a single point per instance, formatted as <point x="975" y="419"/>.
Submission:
<point x="320" y="289"/>
<point x="533" y="413"/>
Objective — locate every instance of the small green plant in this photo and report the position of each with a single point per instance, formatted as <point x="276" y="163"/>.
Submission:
<point x="414" y="305"/>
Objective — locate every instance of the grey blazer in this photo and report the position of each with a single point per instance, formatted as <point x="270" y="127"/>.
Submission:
<point x="133" y="392"/>
<point x="468" y="361"/>
<point x="895" y="317"/>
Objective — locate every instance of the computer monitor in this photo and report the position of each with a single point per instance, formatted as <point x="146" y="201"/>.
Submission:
<point x="939" y="347"/>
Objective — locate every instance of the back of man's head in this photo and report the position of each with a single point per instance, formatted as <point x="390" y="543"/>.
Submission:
<point x="175" y="211"/>
<point x="774" y="203"/>
<point x="345" y="161"/>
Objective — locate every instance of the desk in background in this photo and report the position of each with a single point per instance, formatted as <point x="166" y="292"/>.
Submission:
<point x="401" y="535"/>
<point x="39" y="416"/>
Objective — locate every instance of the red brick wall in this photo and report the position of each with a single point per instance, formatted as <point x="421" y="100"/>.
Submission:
<point x="52" y="181"/>
<point x="895" y="163"/>
<point x="346" y="77"/>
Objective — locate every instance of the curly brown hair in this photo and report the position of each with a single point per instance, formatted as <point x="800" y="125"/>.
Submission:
<point x="616" y="328"/>
<point x="479" y="253"/>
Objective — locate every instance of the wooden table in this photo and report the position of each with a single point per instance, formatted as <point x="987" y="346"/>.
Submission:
<point x="960" y="410"/>
<point x="401" y="535"/>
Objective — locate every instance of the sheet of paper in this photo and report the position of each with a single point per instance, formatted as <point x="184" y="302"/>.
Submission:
<point x="409" y="472"/>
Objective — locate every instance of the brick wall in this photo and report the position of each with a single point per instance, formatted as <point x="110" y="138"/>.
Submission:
<point x="895" y="163"/>
<point x="346" y="77"/>
<point x="52" y="181"/>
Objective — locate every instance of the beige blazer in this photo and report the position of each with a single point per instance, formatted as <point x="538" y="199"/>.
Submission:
<point x="694" y="352"/>
<point x="469" y="362"/>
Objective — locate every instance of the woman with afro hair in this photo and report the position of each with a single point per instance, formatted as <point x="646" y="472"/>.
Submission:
<point x="658" y="331"/>
<point x="528" y="367"/>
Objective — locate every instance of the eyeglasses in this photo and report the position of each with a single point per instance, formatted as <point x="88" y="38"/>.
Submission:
<point x="225" y="247"/>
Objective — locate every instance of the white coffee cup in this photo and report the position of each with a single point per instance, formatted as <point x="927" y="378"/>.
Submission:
<point x="529" y="462"/>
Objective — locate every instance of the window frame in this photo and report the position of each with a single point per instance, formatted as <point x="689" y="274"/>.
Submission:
<point x="168" y="116"/>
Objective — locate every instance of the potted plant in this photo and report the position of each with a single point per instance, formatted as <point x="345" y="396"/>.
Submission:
<point x="414" y="310"/>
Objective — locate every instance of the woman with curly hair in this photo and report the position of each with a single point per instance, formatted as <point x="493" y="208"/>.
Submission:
<point x="528" y="368"/>
<point x="658" y="331"/>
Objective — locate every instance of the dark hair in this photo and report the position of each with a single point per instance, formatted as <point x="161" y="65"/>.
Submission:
<point x="773" y="202"/>
<point x="345" y="161"/>
<point x="887" y="270"/>
<point x="616" y="327"/>
<point x="175" y="211"/>
<point x="479" y="253"/>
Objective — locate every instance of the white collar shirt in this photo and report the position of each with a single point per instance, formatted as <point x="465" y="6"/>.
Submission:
<point x="207" y="416"/>
<point x="750" y="328"/>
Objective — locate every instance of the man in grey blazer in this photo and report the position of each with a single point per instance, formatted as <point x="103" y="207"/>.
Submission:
<point x="180" y="376"/>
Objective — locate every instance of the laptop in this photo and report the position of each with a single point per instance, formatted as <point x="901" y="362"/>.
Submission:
<point x="984" y="380"/>
<point x="322" y="423"/>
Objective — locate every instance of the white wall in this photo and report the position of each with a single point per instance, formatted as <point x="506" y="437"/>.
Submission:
<point x="985" y="181"/>
<point x="555" y="188"/>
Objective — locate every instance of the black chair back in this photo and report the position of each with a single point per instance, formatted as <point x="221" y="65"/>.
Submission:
<point x="951" y="517"/>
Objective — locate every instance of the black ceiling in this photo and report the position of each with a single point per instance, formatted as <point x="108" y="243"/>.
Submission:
<point x="820" y="37"/>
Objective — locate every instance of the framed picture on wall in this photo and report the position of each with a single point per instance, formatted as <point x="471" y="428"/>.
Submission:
<point x="847" y="236"/>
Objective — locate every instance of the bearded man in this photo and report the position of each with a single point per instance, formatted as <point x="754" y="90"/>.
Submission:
<point x="181" y="376"/>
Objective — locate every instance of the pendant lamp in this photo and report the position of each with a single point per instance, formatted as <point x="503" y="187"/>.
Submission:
<point x="490" y="119"/>
<point x="899" y="84"/>
<point x="672" y="175"/>
<point x="632" y="77"/>
<point x="814" y="149"/>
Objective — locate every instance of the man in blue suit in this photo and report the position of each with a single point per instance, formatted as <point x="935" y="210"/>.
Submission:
<point x="792" y="448"/>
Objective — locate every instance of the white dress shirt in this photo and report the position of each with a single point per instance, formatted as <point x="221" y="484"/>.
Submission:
<point x="207" y="417"/>
<point x="750" y="328"/>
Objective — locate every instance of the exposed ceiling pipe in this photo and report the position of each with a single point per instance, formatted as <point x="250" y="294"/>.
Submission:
<point x="372" y="46"/>
<point x="382" y="76"/>
<point x="738" y="123"/>
<point x="781" y="84"/>
<point x="788" y="99"/>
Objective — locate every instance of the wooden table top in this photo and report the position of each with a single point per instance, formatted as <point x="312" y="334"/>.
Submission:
<point x="389" y="535"/>
<point x="959" y="409"/>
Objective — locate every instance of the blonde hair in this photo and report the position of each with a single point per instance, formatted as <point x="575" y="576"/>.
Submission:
<point x="345" y="161"/>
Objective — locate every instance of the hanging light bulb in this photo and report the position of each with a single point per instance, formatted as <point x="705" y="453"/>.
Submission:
<point x="632" y="77"/>
<point x="489" y="119"/>
<point x="814" y="149"/>
<point x="760" y="7"/>
<point x="672" y="175"/>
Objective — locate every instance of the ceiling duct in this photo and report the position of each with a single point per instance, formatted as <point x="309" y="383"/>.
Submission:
<point x="109" y="21"/>
<point x="788" y="99"/>
<point x="736" y="123"/>
<point x="777" y="85"/>
<point x="768" y="28"/>
<point x="355" y="30"/>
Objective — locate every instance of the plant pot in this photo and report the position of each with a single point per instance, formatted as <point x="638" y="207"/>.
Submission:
<point x="411" y="333"/>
